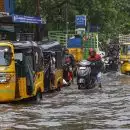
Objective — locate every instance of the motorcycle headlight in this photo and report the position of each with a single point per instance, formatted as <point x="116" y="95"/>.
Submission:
<point x="70" y="68"/>
<point x="106" y="61"/>
<point x="83" y="72"/>
<point x="4" y="77"/>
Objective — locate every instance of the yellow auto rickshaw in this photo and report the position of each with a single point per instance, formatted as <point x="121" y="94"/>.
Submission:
<point x="75" y="47"/>
<point x="52" y="59"/>
<point x="77" y="53"/>
<point x="21" y="74"/>
<point x="125" y="58"/>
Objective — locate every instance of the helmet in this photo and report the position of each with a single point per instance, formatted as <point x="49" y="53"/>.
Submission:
<point x="91" y="50"/>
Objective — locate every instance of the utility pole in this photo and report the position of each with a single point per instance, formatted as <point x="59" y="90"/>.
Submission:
<point x="67" y="23"/>
<point x="38" y="26"/>
<point x="38" y="7"/>
<point x="66" y="17"/>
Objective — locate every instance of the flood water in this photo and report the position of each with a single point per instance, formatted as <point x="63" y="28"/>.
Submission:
<point x="73" y="109"/>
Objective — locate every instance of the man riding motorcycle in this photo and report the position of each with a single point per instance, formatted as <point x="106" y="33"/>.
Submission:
<point x="70" y="61"/>
<point x="96" y="61"/>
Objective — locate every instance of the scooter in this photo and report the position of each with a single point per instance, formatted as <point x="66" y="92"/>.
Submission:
<point x="106" y="64"/>
<point x="84" y="77"/>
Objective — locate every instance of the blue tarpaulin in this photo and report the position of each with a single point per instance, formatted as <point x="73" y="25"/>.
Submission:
<point x="74" y="42"/>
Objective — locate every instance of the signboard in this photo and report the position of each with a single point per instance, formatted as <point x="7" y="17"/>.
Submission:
<point x="9" y="28"/>
<point x="26" y="19"/>
<point x="93" y="28"/>
<point x="80" y="21"/>
<point x="80" y="31"/>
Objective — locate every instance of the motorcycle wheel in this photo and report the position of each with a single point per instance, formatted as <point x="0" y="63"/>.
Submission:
<point x="105" y="69"/>
<point x="69" y="83"/>
<point x="92" y="84"/>
<point x="80" y="86"/>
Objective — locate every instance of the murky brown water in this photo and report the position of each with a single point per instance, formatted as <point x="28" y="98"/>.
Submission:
<point x="73" y="109"/>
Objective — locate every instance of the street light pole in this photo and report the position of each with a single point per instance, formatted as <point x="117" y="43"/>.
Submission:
<point x="38" y="7"/>
<point x="67" y="17"/>
<point x="66" y="22"/>
<point x="38" y="14"/>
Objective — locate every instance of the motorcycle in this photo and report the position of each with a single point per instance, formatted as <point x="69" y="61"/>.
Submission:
<point x="85" y="79"/>
<point x="110" y="64"/>
<point x="67" y="74"/>
<point x="106" y="64"/>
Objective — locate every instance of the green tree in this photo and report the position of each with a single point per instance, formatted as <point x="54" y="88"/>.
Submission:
<point x="112" y="16"/>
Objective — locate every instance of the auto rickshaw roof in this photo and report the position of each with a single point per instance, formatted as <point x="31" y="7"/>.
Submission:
<point x="24" y="44"/>
<point x="50" y="46"/>
<point x="6" y="19"/>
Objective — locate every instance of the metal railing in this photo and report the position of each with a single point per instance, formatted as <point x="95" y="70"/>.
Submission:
<point x="60" y="36"/>
<point x="25" y="36"/>
<point x="124" y="38"/>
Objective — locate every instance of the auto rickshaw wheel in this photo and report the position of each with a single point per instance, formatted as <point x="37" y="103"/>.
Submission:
<point x="80" y="86"/>
<point x="59" y="86"/>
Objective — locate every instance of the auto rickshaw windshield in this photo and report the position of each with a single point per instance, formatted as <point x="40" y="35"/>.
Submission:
<point x="5" y="55"/>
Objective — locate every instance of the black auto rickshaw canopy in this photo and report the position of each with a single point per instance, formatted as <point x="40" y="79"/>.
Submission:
<point x="50" y="46"/>
<point x="30" y="48"/>
<point x="24" y="44"/>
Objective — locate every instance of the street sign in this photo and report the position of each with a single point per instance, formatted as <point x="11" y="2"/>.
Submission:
<point x="9" y="28"/>
<point x="80" y="21"/>
<point x="93" y="28"/>
<point x="80" y="31"/>
<point x="26" y="19"/>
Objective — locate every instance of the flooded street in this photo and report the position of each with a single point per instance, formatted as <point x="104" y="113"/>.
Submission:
<point x="73" y="109"/>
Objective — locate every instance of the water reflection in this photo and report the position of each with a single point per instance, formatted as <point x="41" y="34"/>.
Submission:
<point x="72" y="109"/>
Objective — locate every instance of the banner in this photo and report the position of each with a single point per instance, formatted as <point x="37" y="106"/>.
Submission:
<point x="26" y="19"/>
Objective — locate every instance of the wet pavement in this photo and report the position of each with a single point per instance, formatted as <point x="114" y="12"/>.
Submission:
<point x="73" y="109"/>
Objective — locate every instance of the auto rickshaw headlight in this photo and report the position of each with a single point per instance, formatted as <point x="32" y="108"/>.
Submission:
<point x="4" y="77"/>
<point x="8" y="77"/>
<point x="106" y="61"/>
<point x="122" y="62"/>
